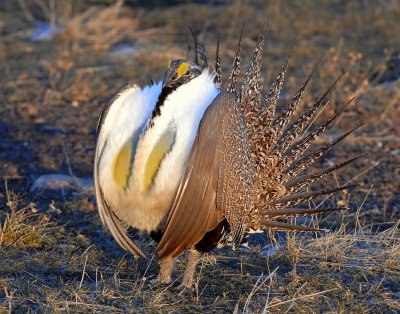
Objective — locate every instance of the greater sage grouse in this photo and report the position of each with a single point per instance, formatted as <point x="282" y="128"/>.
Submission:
<point x="197" y="166"/>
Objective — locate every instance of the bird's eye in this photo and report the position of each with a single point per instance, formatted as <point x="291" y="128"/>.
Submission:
<point x="183" y="67"/>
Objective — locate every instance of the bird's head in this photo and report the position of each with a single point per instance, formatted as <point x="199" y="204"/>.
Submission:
<point x="180" y="72"/>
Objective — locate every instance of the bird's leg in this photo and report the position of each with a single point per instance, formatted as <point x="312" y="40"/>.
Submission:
<point x="193" y="258"/>
<point x="167" y="267"/>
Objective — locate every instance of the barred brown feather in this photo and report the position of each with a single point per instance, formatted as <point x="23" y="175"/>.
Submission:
<point x="295" y="199"/>
<point x="305" y="181"/>
<point x="282" y="226"/>
<point x="233" y="77"/>
<point x="302" y="145"/>
<point x="298" y="126"/>
<point x="297" y="212"/>
<point x="218" y="74"/>
<point x="299" y="166"/>
<point x="260" y="141"/>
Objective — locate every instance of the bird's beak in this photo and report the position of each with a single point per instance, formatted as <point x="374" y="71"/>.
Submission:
<point x="166" y="81"/>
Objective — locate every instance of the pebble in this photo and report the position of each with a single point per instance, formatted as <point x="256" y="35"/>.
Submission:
<point x="56" y="182"/>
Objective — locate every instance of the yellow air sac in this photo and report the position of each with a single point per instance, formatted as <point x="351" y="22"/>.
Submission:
<point x="122" y="166"/>
<point x="156" y="156"/>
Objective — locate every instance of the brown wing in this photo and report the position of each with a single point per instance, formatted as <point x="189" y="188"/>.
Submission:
<point x="194" y="211"/>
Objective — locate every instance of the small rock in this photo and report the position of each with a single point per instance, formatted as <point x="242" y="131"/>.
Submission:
<point x="45" y="32"/>
<point x="56" y="182"/>
<point x="269" y="250"/>
<point x="122" y="51"/>
<point x="53" y="209"/>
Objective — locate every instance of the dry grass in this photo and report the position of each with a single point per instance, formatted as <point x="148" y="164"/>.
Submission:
<point x="55" y="255"/>
<point x="343" y="271"/>
<point x="17" y="230"/>
<point x="21" y="227"/>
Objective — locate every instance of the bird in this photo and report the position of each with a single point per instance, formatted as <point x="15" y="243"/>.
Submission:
<point x="197" y="165"/>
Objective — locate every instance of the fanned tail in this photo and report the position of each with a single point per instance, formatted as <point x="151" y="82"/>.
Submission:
<point x="279" y="205"/>
<point x="272" y="96"/>
<point x="279" y="147"/>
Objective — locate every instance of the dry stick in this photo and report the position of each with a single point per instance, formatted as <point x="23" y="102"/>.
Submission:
<point x="66" y="156"/>
<point x="392" y="231"/>
<point x="65" y="153"/>
<point x="256" y="288"/>
<point x="269" y="287"/>
<point x="394" y="101"/>
<point x="302" y="297"/>
<point x="296" y="293"/>
<point x="9" y="297"/>
<point x="83" y="272"/>
<point x="98" y="306"/>
<point x="42" y="5"/>
<point x="359" y="208"/>
<point x="346" y="183"/>
<point x="266" y="302"/>
<point x="27" y="11"/>
<point x="87" y="249"/>
<point x="144" y="275"/>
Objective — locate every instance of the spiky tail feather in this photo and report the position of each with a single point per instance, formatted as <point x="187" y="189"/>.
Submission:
<point x="218" y="75"/>
<point x="300" y="183"/>
<point x="260" y="141"/>
<point x="233" y="78"/>
<point x="303" y="163"/>
<point x="295" y="199"/>
<point x="280" y="123"/>
<point x="297" y="212"/>
<point x="250" y="92"/>
<point x="278" y="147"/>
<point x="294" y="131"/>
<point x="282" y="226"/>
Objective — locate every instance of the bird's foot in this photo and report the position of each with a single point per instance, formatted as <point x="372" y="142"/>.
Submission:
<point x="165" y="275"/>
<point x="161" y="280"/>
<point x="186" y="291"/>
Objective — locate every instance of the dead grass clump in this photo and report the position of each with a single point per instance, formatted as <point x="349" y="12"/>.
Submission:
<point x="354" y="270"/>
<point x="22" y="227"/>
<point x="100" y="28"/>
<point x="357" y="271"/>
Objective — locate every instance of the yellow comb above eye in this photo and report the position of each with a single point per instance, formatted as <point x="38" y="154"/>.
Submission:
<point x="183" y="67"/>
<point x="169" y="64"/>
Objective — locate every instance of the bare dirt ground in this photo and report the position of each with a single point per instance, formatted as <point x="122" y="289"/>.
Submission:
<point x="54" y="253"/>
